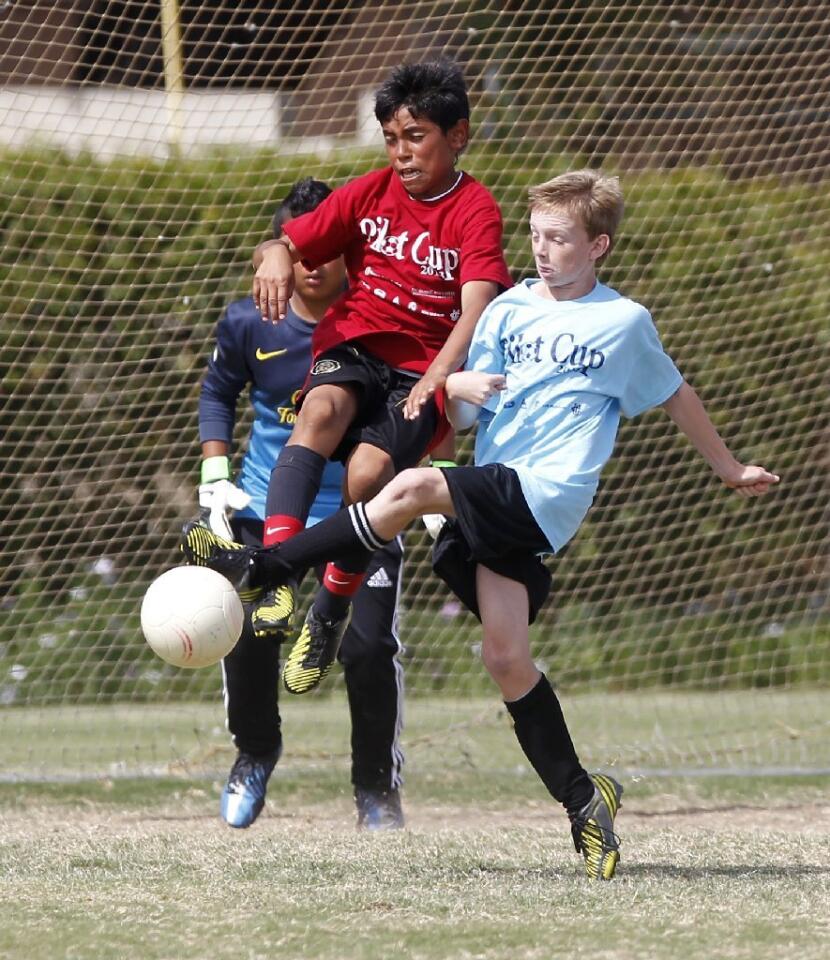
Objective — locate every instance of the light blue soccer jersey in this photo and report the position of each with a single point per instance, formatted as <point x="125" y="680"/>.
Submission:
<point x="572" y="368"/>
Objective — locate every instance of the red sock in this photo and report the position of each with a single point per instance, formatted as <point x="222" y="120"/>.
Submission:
<point x="341" y="582"/>
<point x="278" y="528"/>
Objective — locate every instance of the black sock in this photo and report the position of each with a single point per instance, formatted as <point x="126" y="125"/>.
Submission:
<point x="343" y="534"/>
<point x="543" y="734"/>
<point x="294" y="482"/>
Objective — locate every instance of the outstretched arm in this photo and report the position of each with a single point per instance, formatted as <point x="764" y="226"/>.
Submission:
<point x="688" y="412"/>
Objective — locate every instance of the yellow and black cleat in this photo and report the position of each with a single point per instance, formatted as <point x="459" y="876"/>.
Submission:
<point x="204" y="548"/>
<point x="313" y="652"/>
<point x="273" y="616"/>
<point x="593" y="829"/>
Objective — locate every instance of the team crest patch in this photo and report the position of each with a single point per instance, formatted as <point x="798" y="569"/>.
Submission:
<point x="324" y="366"/>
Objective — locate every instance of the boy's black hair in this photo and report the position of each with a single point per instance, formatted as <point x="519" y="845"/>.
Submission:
<point x="305" y="195"/>
<point x="434" y="90"/>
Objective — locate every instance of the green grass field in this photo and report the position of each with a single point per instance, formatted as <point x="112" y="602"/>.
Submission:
<point x="632" y="731"/>
<point x="119" y="867"/>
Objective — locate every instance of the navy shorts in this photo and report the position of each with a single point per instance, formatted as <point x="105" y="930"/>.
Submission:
<point x="382" y="391"/>
<point x="493" y="526"/>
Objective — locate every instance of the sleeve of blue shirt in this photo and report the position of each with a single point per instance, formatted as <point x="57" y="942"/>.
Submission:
<point x="486" y="354"/>
<point x="226" y="376"/>
<point x="652" y="376"/>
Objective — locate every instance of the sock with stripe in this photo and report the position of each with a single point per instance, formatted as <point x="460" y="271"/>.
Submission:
<point x="292" y="489"/>
<point x="346" y="534"/>
<point x="541" y="730"/>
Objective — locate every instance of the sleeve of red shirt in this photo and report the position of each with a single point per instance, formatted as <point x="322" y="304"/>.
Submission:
<point x="324" y="233"/>
<point x="482" y="254"/>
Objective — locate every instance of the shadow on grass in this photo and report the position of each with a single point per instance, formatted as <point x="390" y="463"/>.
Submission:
<point x="698" y="811"/>
<point x="662" y="871"/>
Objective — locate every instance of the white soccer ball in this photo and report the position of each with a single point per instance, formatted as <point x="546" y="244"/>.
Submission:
<point x="191" y="616"/>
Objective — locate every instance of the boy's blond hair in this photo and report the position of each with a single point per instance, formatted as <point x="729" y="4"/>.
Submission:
<point x="593" y="198"/>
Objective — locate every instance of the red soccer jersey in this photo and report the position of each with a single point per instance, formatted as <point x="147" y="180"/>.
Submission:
<point x="406" y="260"/>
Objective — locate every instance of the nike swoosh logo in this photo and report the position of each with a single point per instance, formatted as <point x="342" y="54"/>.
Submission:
<point x="271" y="530"/>
<point x="331" y="579"/>
<point x="261" y="355"/>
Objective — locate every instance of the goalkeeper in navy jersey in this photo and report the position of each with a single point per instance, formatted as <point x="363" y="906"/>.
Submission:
<point x="273" y="361"/>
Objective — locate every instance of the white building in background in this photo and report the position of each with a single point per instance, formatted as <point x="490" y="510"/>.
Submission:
<point x="88" y="75"/>
<point x="108" y="121"/>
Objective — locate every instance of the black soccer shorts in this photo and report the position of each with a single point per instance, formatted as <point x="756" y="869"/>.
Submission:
<point x="493" y="526"/>
<point x="382" y="392"/>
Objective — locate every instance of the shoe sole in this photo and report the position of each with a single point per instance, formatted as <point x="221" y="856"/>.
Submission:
<point x="612" y="792"/>
<point x="273" y="623"/>
<point x="193" y="544"/>
<point x="609" y="867"/>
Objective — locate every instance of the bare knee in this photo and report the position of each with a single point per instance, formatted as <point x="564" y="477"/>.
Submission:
<point x="412" y="489"/>
<point x="500" y="662"/>
<point x="324" y="417"/>
<point x="410" y="494"/>
<point x="368" y="470"/>
<point x="506" y="661"/>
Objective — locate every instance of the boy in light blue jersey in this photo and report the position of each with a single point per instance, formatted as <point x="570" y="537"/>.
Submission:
<point x="553" y="364"/>
<point x="572" y="367"/>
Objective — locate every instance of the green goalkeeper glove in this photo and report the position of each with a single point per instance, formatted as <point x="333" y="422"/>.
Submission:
<point x="434" y="521"/>
<point x="218" y="495"/>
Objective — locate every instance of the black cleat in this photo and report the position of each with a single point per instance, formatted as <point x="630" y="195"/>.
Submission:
<point x="313" y="652"/>
<point x="244" y="794"/>
<point x="378" y="809"/>
<point x="273" y="616"/>
<point x="593" y="829"/>
<point x="203" y="548"/>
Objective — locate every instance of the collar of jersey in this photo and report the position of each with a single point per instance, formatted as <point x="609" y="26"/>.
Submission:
<point x="440" y="196"/>
<point x="589" y="297"/>
<point x="293" y="319"/>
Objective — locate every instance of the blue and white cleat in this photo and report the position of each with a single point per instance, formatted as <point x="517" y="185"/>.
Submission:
<point x="244" y="795"/>
<point x="378" y="809"/>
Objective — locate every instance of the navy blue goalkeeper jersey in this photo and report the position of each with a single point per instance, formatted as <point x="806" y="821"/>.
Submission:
<point x="273" y="361"/>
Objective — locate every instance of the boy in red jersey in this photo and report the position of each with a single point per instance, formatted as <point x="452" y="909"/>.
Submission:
<point x="422" y="243"/>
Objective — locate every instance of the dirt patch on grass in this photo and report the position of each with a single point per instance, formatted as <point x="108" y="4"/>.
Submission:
<point x="197" y="814"/>
<point x="813" y="818"/>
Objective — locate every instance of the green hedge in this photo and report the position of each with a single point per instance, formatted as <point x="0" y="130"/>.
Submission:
<point x="112" y="277"/>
